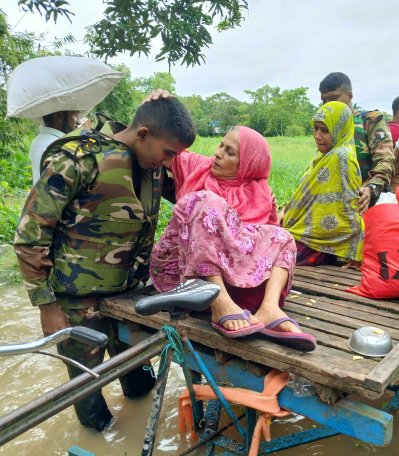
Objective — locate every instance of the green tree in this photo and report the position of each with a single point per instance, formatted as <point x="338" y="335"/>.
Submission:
<point x="132" y="25"/>
<point x="15" y="134"/>
<point x="223" y="111"/>
<point x="50" y="8"/>
<point x="121" y="102"/>
<point x="129" y="93"/>
<point x="14" y="49"/>
<point x="276" y="112"/>
<point x="197" y="107"/>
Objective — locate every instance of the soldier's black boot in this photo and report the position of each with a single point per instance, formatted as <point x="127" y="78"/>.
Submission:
<point x="92" y="411"/>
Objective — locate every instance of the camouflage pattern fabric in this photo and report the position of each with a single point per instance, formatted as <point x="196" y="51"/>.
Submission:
<point x="83" y="230"/>
<point x="374" y="148"/>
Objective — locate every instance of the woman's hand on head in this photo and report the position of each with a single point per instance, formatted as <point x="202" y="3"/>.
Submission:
<point x="156" y="95"/>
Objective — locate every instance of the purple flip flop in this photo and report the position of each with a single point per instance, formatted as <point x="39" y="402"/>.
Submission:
<point x="232" y="334"/>
<point x="301" y="341"/>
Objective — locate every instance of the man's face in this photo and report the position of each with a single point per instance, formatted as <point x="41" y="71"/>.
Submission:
<point x="71" y="121"/>
<point x="152" y="152"/>
<point x="339" y="94"/>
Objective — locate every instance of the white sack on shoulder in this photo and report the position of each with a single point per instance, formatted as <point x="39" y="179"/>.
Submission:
<point x="44" y="85"/>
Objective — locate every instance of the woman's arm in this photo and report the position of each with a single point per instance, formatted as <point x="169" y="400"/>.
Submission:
<point x="185" y="164"/>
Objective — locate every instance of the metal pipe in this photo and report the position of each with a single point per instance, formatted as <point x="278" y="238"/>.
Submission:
<point x="197" y="406"/>
<point x="19" y="349"/>
<point x="159" y="392"/>
<point x="27" y="421"/>
<point x="82" y="379"/>
<point x="68" y="361"/>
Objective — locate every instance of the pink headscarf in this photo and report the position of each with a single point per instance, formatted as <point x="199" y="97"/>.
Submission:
<point x="249" y="194"/>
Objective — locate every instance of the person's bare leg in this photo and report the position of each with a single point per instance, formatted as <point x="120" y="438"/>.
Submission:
<point x="223" y="305"/>
<point x="269" y="309"/>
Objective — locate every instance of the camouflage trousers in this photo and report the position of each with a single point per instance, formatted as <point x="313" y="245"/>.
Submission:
<point x="92" y="411"/>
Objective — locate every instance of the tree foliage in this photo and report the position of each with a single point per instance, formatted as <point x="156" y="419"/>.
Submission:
<point x="132" y="25"/>
<point x="214" y="115"/>
<point x="50" y="8"/>
<point x="129" y="93"/>
<point x="14" y="49"/>
<point x="272" y="112"/>
<point x="276" y="112"/>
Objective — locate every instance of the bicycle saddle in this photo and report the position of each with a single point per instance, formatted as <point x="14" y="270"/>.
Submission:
<point x="194" y="294"/>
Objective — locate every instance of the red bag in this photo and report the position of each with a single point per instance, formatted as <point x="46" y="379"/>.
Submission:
<point x="380" y="267"/>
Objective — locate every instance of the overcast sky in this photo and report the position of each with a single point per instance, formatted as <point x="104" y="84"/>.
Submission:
<point x="285" y="43"/>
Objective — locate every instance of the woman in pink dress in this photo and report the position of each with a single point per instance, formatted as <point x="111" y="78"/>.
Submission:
<point x="224" y="229"/>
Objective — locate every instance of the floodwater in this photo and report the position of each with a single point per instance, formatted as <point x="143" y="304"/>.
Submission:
<point x="24" y="377"/>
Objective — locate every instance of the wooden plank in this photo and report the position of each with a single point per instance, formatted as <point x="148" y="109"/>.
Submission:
<point x="326" y="327"/>
<point x="336" y="271"/>
<point x="325" y="278"/>
<point x="344" y="321"/>
<point x="323" y="309"/>
<point x="385" y="373"/>
<point x="202" y="330"/>
<point x="337" y="305"/>
<point x="338" y="292"/>
<point x="325" y="365"/>
<point x="328" y="340"/>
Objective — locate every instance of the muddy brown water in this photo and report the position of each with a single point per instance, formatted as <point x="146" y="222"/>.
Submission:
<point x="24" y="377"/>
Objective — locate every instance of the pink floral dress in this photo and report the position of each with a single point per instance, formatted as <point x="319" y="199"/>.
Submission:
<point x="206" y="237"/>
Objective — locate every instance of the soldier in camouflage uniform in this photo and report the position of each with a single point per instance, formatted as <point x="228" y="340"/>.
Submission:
<point x="87" y="230"/>
<point x="373" y="141"/>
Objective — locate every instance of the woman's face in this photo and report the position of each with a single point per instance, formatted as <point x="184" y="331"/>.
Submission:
<point x="322" y="137"/>
<point x="227" y="157"/>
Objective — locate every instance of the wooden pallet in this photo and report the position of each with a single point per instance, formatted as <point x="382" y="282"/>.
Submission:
<point x="323" y="308"/>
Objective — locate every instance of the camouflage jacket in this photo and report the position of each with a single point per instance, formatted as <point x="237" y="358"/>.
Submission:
<point x="84" y="230"/>
<point x="374" y="148"/>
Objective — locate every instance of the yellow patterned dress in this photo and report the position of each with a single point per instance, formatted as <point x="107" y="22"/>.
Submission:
<point x="322" y="213"/>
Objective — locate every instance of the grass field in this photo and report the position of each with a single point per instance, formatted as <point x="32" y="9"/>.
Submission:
<point x="290" y="158"/>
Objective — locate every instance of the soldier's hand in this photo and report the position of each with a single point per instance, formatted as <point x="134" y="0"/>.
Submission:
<point x="156" y="94"/>
<point x="52" y="318"/>
<point x="353" y="265"/>
<point x="364" y="200"/>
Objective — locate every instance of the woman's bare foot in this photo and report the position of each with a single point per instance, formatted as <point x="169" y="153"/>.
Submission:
<point x="224" y="305"/>
<point x="267" y="314"/>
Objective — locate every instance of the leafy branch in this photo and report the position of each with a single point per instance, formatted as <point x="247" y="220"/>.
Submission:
<point x="48" y="8"/>
<point x="183" y="26"/>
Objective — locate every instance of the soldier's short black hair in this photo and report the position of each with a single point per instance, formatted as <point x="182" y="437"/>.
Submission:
<point x="395" y="106"/>
<point x="334" y="81"/>
<point x="166" y="117"/>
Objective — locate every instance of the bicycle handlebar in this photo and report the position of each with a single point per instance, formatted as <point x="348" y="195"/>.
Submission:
<point x="80" y="333"/>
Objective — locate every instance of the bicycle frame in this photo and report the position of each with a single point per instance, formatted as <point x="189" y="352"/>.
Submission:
<point x="61" y="397"/>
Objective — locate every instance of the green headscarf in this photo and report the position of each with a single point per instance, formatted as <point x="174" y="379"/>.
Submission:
<point x="338" y="119"/>
<point x="322" y="213"/>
